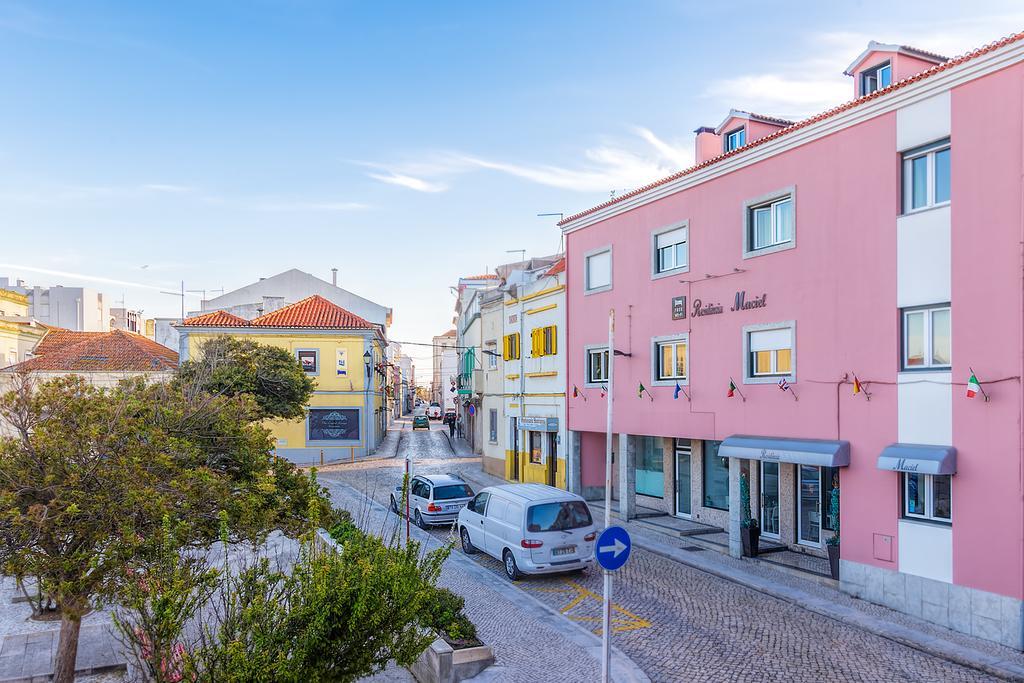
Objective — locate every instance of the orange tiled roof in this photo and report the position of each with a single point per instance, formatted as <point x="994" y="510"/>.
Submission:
<point x="216" y="319"/>
<point x="829" y="113"/>
<point x="314" y="311"/>
<point x="559" y="267"/>
<point x="117" y="351"/>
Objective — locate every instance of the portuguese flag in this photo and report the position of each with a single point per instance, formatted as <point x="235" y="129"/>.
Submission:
<point x="972" y="386"/>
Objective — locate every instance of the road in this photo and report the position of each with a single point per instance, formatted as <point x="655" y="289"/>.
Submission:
<point x="678" y="623"/>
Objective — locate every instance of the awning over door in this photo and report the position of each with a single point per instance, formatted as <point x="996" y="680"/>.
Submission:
<point x="817" y="452"/>
<point x="920" y="458"/>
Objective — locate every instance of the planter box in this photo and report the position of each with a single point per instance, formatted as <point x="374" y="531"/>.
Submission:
<point x="440" y="663"/>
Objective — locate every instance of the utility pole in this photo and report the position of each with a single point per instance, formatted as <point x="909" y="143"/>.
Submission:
<point x="606" y="614"/>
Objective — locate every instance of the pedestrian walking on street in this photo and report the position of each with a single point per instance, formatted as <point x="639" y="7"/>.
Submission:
<point x="451" y="426"/>
<point x="459" y="426"/>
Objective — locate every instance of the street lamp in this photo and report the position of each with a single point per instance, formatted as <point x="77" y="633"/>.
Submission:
<point x="366" y="362"/>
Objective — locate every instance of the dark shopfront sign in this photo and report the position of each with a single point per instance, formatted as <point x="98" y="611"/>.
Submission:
<point x="701" y="308"/>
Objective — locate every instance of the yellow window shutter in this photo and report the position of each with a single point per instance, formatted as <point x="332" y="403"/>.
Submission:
<point x="505" y="347"/>
<point x="554" y="340"/>
<point x="518" y="351"/>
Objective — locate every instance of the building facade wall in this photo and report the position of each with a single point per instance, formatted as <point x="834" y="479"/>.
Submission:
<point x="492" y="400"/>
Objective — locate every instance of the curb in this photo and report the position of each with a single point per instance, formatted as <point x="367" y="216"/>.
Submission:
<point x="931" y="645"/>
<point x="624" y="669"/>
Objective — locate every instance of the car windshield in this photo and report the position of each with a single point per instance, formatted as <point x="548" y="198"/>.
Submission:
<point x="558" y="516"/>
<point x="452" y="491"/>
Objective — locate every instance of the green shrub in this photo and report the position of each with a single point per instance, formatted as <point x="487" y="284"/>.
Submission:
<point x="444" y="615"/>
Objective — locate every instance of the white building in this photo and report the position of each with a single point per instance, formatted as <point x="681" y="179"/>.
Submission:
<point x="439" y="383"/>
<point x="493" y="387"/>
<point x="74" y="308"/>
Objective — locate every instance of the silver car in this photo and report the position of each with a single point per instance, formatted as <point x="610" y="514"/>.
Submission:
<point x="433" y="499"/>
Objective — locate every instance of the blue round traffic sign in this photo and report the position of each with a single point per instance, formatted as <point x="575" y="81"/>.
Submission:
<point x="612" y="548"/>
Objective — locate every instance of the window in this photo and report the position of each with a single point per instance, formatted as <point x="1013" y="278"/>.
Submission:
<point x="544" y="341"/>
<point x="716" y="477"/>
<point x="735" y="139"/>
<point x="452" y="491"/>
<point x="309" y="359"/>
<point x="771" y="224"/>
<point x="492" y="426"/>
<point x="598" y="271"/>
<point x="511" y="351"/>
<point x="492" y="355"/>
<point x="597" y="365"/>
<point x="670" y="357"/>
<point x="926" y="338"/>
<point x="563" y="516"/>
<point x="479" y="504"/>
<point x="876" y="78"/>
<point x="535" y="443"/>
<point x="650" y="467"/>
<point x="926" y="180"/>
<point x="928" y="496"/>
<point x="770" y="352"/>
<point x="671" y="250"/>
<point x="829" y="481"/>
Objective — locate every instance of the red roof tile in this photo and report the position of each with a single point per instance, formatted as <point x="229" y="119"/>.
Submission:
<point x="829" y="113"/>
<point x="216" y="319"/>
<point x="314" y="311"/>
<point x="117" y="351"/>
<point x="559" y="267"/>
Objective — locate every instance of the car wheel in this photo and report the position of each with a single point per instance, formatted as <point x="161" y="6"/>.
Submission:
<point x="467" y="543"/>
<point x="394" y="505"/>
<point x="420" y="522"/>
<point x="511" y="569"/>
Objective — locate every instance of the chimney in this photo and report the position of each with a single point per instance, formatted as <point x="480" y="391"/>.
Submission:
<point x="334" y="276"/>
<point x="707" y="145"/>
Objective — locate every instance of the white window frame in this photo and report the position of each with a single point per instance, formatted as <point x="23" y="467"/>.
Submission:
<point x="907" y="176"/>
<point x="491" y="351"/>
<point x="734" y="135"/>
<point x="904" y="338"/>
<point x="656" y="271"/>
<point x="587" y="352"/>
<point x="748" y="366"/>
<point x="492" y="425"/>
<point x="587" y="289"/>
<point x="767" y="200"/>
<point x="656" y="343"/>
<point x="929" y="497"/>
<point x="872" y="75"/>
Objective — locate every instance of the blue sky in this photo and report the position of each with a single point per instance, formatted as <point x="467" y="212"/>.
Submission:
<point x="407" y="144"/>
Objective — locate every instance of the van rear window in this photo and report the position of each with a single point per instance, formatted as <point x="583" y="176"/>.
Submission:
<point x="558" y="516"/>
<point x="453" y="491"/>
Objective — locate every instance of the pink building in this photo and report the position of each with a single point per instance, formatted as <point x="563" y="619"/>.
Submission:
<point x="846" y="274"/>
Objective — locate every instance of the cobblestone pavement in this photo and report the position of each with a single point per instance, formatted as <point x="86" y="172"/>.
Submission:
<point x="678" y="623"/>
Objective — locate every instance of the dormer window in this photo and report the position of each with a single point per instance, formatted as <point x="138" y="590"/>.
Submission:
<point x="875" y="79"/>
<point x="735" y="139"/>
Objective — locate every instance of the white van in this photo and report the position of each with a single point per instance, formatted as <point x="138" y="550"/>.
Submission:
<point x="531" y="528"/>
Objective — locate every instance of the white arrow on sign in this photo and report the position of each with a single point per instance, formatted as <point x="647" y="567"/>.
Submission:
<point x="615" y="549"/>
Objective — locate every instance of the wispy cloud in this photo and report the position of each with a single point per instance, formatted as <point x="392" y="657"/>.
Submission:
<point x="308" y="206"/>
<point x="614" y="165"/>
<point x="86" y="277"/>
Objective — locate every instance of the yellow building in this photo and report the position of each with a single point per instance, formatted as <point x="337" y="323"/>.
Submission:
<point x="344" y="354"/>
<point x="19" y="334"/>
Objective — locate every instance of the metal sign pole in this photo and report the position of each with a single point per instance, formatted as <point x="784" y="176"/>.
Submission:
<point x="606" y="617"/>
<point x="408" y="485"/>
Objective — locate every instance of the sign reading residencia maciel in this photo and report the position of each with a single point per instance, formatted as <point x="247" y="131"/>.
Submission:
<point x="700" y="308"/>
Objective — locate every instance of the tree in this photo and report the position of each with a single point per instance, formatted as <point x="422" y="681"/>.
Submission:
<point x="271" y="375"/>
<point x="90" y="474"/>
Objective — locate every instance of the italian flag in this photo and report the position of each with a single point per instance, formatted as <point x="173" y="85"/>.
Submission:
<point x="972" y="386"/>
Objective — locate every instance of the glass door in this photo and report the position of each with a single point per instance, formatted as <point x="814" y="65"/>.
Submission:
<point x="683" y="452"/>
<point x="770" y="499"/>
<point x="809" y="505"/>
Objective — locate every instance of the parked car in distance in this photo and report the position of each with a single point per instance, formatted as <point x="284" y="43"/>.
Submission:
<point x="434" y="411"/>
<point x="420" y="422"/>
<point x="449" y="415"/>
<point x="433" y="498"/>
<point x="531" y="528"/>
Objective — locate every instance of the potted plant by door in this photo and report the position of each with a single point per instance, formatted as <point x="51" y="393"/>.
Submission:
<point x="750" y="531"/>
<point x="832" y="544"/>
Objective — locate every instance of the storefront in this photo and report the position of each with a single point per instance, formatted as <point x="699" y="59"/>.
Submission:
<point x="540" y="441"/>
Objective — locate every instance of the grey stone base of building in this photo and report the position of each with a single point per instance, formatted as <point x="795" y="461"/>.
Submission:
<point x="593" y="493"/>
<point x="968" y="610"/>
<point x="311" y="455"/>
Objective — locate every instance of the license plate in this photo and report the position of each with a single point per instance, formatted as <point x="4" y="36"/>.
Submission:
<point x="453" y="508"/>
<point x="567" y="550"/>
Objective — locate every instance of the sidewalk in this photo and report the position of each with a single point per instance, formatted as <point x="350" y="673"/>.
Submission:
<point x="818" y="597"/>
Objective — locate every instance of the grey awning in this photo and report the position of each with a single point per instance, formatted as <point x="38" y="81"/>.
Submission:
<point x="921" y="458"/>
<point x="817" y="452"/>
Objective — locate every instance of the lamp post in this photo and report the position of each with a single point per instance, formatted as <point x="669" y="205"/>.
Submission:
<point x="366" y="396"/>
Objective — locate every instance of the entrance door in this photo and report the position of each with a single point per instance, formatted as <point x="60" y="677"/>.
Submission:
<point x="514" y="440"/>
<point x="770" y="499"/>
<point x="809" y="505"/>
<point x="683" y="453"/>
<point x="552" y="459"/>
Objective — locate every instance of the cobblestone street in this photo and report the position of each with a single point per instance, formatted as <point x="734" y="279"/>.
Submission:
<point x="675" y="622"/>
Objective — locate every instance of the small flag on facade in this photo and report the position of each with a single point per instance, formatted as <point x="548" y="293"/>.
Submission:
<point x="604" y="392"/>
<point x="732" y="389"/>
<point x="856" y="385"/>
<point x="640" y="390"/>
<point x="973" y="388"/>
<point x="783" y="384"/>
<point x="576" y="393"/>
<point x="675" y="394"/>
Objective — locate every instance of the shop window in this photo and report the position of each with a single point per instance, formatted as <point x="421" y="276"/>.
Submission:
<point x="492" y="424"/>
<point x="928" y="496"/>
<point x="715" y="477"/>
<point x="598" y="271"/>
<point x="927" y="338"/>
<point x="926" y="176"/>
<point x="829" y="481"/>
<point x="511" y="350"/>
<point x="650" y="467"/>
<point x="536" y="445"/>
<point x="597" y="365"/>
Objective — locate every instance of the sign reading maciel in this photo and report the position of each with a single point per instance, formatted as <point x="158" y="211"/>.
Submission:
<point x="701" y="308"/>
